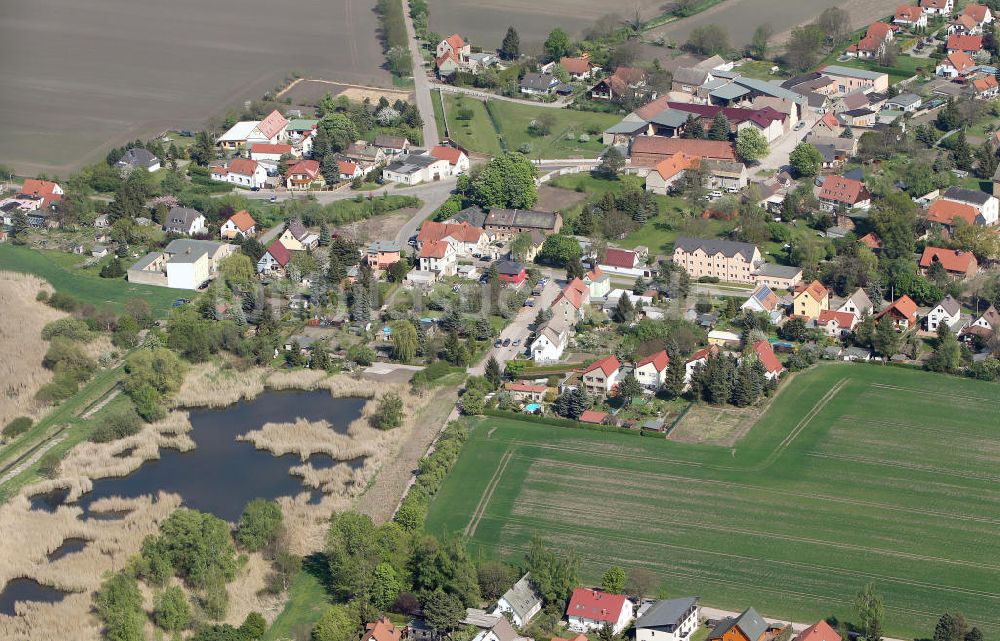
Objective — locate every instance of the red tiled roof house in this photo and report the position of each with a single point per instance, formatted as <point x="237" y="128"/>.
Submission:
<point x="589" y="610"/>
<point x="601" y="377"/>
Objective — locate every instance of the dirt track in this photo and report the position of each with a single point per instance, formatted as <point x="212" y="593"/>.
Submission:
<point x="82" y="75"/>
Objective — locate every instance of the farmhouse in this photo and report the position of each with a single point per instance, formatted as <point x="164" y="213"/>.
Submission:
<point x="184" y="220"/>
<point x="242" y="173"/>
<point x="651" y="372"/>
<point x="521" y="601"/>
<point x="623" y="80"/>
<point x="239" y="224"/>
<point x="723" y="259"/>
<point x="139" y="158"/>
<point x="958" y="263"/>
<point x="874" y="42"/>
<point x="182" y="264"/>
<point x="274" y="260"/>
<point x="648" y="151"/>
<point x="747" y="626"/>
<point x="668" y="620"/>
<point x="588" y="609"/>
<point x="266" y="152"/>
<point x="902" y="312"/>
<point x="848" y="79"/>
<point x="269" y="130"/>
<point x="305" y="174"/>
<point x="458" y="162"/>
<point x="506" y="223"/>
<point x="600" y="379"/>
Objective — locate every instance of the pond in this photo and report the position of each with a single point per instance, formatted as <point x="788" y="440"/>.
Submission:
<point x="24" y="589"/>
<point x="222" y="474"/>
<point x="67" y="547"/>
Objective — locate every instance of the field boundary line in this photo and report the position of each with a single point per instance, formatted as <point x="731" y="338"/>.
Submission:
<point x="584" y="530"/>
<point x="401" y="92"/>
<point x="804" y="495"/>
<point x="484" y="500"/>
<point x="935" y="393"/>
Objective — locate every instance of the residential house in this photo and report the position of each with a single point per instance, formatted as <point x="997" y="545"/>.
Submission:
<point x="746" y="626"/>
<point x="689" y="79"/>
<point x="777" y="276"/>
<point x="809" y="300"/>
<point x="827" y="125"/>
<point x="305" y="174"/>
<point x="668" y="620"/>
<point x="958" y="64"/>
<point x="511" y="272"/>
<point x="668" y="173"/>
<point x="525" y="392"/>
<point x="454" y="44"/>
<point x="184" y="220"/>
<point x="382" y="630"/>
<point x="996" y="182"/>
<point x="873" y="44"/>
<point x="989" y="320"/>
<point x="651" y="372"/>
<point x="598" y="283"/>
<point x="836" y="324"/>
<point x="242" y="173"/>
<point x="239" y="224"/>
<point x="820" y="631"/>
<point x="626" y="262"/>
<point x="414" y="170"/>
<point x="591" y="417"/>
<point x="985" y="87"/>
<point x="863" y="117"/>
<point x="698" y="358"/>
<point x="392" y="145"/>
<point x="348" y="170"/>
<point x="985" y="203"/>
<point x="858" y="304"/>
<point x="438" y="257"/>
<point x="910" y="16"/>
<point x="902" y="312"/>
<point x="623" y="82"/>
<point x="365" y="154"/>
<point x="492" y="627"/>
<point x="300" y="133"/>
<point x="578" y="67"/>
<point x="589" y="610"/>
<point x="969" y="45"/>
<point x="839" y="192"/>
<point x="139" y="158"/>
<point x="296" y="237"/>
<point x="848" y="79"/>
<point x="274" y="259"/>
<point x="763" y="300"/>
<point x="723" y="338"/>
<point x="600" y="379"/>
<point x="937" y="7"/>
<point x="382" y="254"/>
<point x="728" y="175"/>
<point x="958" y="263"/>
<point x="571" y="303"/>
<point x="906" y="102"/>
<point x="467" y="239"/>
<point x="872" y="241"/>
<point x="183" y="264"/>
<point x="538" y="84"/>
<point x="43" y="193"/>
<point x="980" y="13"/>
<point x="550" y="341"/>
<point x="521" y="601"/>
<point x="269" y="130"/>
<point x="949" y="214"/>
<point x="270" y="153"/>
<point x="458" y="161"/>
<point x="964" y="25"/>
<point x="506" y="223"/>
<point x="723" y="259"/>
<point x="948" y="312"/>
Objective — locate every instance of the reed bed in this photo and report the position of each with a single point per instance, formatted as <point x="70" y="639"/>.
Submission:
<point x="21" y="371"/>
<point x="213" y="385"/>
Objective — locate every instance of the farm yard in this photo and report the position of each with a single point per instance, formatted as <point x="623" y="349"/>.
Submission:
<point x="854" y="474"/>
<point x="106" y="75"/>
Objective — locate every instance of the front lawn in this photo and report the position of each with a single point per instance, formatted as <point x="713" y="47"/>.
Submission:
<point x="469" y="124"/>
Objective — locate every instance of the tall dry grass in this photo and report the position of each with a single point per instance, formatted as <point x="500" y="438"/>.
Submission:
<point x="212" y="385"/>
<point x="21" y="371"/>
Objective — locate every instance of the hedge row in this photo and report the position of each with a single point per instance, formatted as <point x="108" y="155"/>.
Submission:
<point x="558" y="422"/>
<point x="431" y="473"/>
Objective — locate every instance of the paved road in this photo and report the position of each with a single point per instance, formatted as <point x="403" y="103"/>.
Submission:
<point x="479" y="93"/>
<point x="519" y="328"/>
<point x="421" y="86"/>
<point x="434" y="194"/>
<point x="778" y="157"/>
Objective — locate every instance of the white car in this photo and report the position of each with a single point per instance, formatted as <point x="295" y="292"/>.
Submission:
<point x="714" y="195"/>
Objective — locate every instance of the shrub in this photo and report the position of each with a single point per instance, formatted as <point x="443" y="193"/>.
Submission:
<point x="42" y="296"/>
<point x="361" y="354"/>
<point x="65" y="302"/>
<point x="389" y="413"/>
<point x="147" y="403"/>
<point x="118" y="425"/>
<point x="260" y="524"/>
<point x="71" y="328"/>
<point x="171" y="610"/>
<point x="48" y="466"/>
<point x="18" y="426"/>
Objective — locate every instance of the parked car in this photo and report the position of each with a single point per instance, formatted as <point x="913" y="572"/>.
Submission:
<point x="800" y="125"/>
<point x="497" y="343"/>
<point x="517" y="342"/>
<point x="506" y="342"/>
<point x="530" y="302"/>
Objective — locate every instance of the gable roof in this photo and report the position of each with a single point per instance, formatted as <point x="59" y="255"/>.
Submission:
<point x="820" y="631"/>
<point x="814" y="290"/>
<point x="624" y="258"/>
<point x="677" y="163"/>
<point x="736" y="115"/>
<point x="181" y="218"/>
<point x="574" y="292"/>
<point x="934" y="4"/>
<point x="991" y="317"/>
<point x="242" y="166"/>
<point x="860" y="299"/>
<point x="243" y="220"/>
<point x="455" y="41"/>
<point x="576" y="65"/>
<point x="751" y="624"/>
<point x="268" y="148"/>
<point x="953" y="260"/>
<point x="138" y="157"/>
<point x="659" y="361"/>
<point x="771" y="363"/>
<point x="843" y="190"/>
<point x="309" y="168"/>
<point x="964" y="42"/>
<point x="591" y="416"/>
<point x="845" y="320"/>
<point x="44" y="189"/>
<point x="509" y="268"/>
<point x="279" y="253"/>
<point x="908" y="13"/>
<point x="346" y="167"/>
<point x="963" y="195"/>
<point x="595" y="605"/>
<point x="961" y="61"/>
<point x="984" y="84"/>
<point x="434" y="249"/>
<point x="461" y="232"/>
<point x="451" y="154"/>
<point x="719" y="149"/>
<point x="713" y="246"/>
<point x="766" y="298"/>
<point x="388" y="141"/>
<point x="521" y="218"/>
<point x="902" y="306"/>
<point x="382" y="630"/>
<point x="851" y="72"/>
<point x="950" y="305"/>
<point x="667" y="612"/>
<point x="608" y="365"/>
<point x="944" y="212"/>
<point x="272" y="125"/>
<point x="977" y="12"/>
<point x="522" y="596"/>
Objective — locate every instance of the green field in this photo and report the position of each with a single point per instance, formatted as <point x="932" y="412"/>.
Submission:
<point x="60" y="269"/>
<point x="477" y="132"/>
<point x="854" y="474"/>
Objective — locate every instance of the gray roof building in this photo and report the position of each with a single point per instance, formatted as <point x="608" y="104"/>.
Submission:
<point x="521" y="218"/>
<point x="691" y="76"/>
<point x="749" y="622"/>
<point x="523" y="599"/>
<point x="139" y="158"/>
<point x="542" y="82"/>
<point x="379" y="246"/>
<point x="180" y="219"/>
<point x="668" y="613"/>
<point x="472" y="215"/>
<point x="964" y="195"/>
<point x="412" y="164"/>
<point x="713" y="246"/>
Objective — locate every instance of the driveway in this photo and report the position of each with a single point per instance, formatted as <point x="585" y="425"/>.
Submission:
<point x="778" y="157"/>
<point x="518" y="329"/>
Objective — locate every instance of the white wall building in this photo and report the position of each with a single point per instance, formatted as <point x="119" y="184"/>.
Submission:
<point x="668" y="620"/>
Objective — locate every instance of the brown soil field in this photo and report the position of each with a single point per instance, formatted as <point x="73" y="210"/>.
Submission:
<point x="21" y="343"/>
<point x="485" y="23"/>
<point x="556" y="199"/>
<point x="308" y="92"/>
<point x="742" y="17"/>
<point x="83" y="75"/>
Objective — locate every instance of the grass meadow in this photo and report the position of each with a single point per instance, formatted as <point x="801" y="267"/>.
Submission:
<point x="61" y="271"/>
<point x="854" y="474"/>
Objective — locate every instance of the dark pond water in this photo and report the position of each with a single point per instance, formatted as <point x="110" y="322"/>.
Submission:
<point x="68" y="546"/>
<point x="222" y="474"/>
<point x="23" y="589"/>
<point x="48" y="501"/>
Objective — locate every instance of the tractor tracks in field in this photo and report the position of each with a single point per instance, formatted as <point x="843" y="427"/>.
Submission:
<point x="484" y="500"/>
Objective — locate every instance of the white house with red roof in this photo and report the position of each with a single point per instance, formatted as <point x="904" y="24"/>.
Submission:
<point x="698" y="358"/>
<point x="937" y="7"/>
<point x="820" y="631"/>
<point x="241" y="172"/>
<point x="651" y="372"/>
<point x="910" y="16"/>
<point x="836" y="324"/>
<point x="597" y="282"/>
<point x="967" y="44"/>
<point x="43" y="192"/>
<point x="454" y="44"/>
<point x="274" y="260"/>
<point x="571" y="303"/>
<point x="270" y="130"/>
<point x="838" y="191"/>
<point x="589" y="610"/>
<point x="467" y="239"/>
<point x="978" y="12"/>
<point x="874" y="42"/>
<point x="550" y="341"/>
<point x="305" y="174"/>
<point x="239" y="224"/>
<point x="601" y="377"/>
<point x="626" y="262"/>
<point x="955" y="65"/>
<point x="263" y="151"/>
<point x="458" y="161"/>
<point x="438" y="257"/>
<point x="349" y="170"/>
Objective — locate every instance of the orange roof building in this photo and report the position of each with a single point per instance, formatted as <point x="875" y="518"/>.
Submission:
<point x="903" y="312"/>
<point x="946" y="212"/>
<point x="820" y="631"/>
<point x="955" y="261"/>
<point x="969" y="44"/>
<point x="765" y="353"/>
<point x="47" y="190"/>
<point x="383" y="630"/>
<point x="839" y="191"/>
